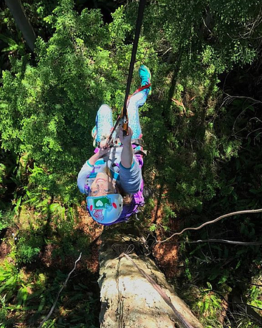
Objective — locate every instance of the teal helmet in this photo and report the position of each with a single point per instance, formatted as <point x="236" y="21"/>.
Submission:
<point x="105" y="209"/>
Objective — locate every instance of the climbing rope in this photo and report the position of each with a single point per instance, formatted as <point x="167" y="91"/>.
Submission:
<point x="123" y="118"/>
<point x="133" y="57"/>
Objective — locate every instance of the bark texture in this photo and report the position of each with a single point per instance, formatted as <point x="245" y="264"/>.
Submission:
<point x="128" y="299"/>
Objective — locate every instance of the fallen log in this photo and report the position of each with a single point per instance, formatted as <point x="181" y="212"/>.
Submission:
<point x="133" y="291"/>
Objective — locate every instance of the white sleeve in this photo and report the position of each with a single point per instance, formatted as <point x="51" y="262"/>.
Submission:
<point x="83" y="175"/>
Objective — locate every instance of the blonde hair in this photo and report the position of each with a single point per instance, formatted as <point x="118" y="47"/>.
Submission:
<point x="127" y="198"/>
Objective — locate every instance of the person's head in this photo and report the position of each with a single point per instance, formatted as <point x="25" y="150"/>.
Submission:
<point x="104" y="202"/>
<point x="102" y="185"/>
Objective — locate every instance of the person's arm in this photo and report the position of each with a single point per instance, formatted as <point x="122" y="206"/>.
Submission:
<point x="104" y="149"/>
<point x="87" y="168"/>
<point x="127" y="151"/>
<point x="130" y="178"/>
<point x="84" y="173"/>
<point x="94" y="158"/>
<point x="129" y="170"/>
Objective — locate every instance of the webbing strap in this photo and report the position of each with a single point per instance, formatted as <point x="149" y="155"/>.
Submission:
<point x="181" y="319"/>
<point x="133" y="57"/>
<point x="142" y="88"/>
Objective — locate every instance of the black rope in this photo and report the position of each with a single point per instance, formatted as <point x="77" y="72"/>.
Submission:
<point x="132" y="62"/>
<point x="133" y="57"/>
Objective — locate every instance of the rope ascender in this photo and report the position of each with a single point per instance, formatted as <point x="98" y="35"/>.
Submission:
<point x="122" y="120"/>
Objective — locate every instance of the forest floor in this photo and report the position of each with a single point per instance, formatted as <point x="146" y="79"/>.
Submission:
<point x="53" y="259"/>
<point x="165" y="255"/>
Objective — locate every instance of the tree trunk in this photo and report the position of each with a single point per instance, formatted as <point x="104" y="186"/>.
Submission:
<point x="133" y="292"/>
<point x="17" y="10"/>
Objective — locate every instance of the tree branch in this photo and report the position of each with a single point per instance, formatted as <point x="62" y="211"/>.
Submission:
<point x="225" y="242"/>
<point x="64" y="284"/>
<point x="211" y="222"/>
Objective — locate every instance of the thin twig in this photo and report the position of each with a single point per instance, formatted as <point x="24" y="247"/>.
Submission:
<point x="230" y="98"/>
<point x="225" y="242"/>
<point x="253" y="131"/>
<point x="255" y="118"/>
<point x="167" y="51"/>
<point x="252" y="306"/>
<point x="211" y="222"/>
<point x="63" y="286"/>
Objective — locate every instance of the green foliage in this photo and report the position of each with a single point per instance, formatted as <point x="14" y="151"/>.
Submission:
<point x="12" y="45"/>
<point x="8" y="273"/>
<point x="75" y="72"/>
<point x="51" y="97"/>
<point x="204" y="150"/>
<point x="209" y="305"/>
<point x="254" y="293"/>
<point x="3" y="310"/>
<point x="27" y="250"/>
<point x="209" y="302"/>
<point x="23" y="291"/>
<point x="4" y="221"/>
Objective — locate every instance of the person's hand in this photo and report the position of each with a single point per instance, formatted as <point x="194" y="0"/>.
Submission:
<point x="125" y="139"/>
<point x="127" y="151"/>
<point x="104" y="144"/>
<point x="103" y="152"/>
<point x="104" y="147"/>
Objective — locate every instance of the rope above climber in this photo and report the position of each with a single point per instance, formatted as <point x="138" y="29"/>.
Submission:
<point x="112" y="177"/>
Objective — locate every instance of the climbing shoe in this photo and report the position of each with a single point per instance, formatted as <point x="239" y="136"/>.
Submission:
<point x="145" y="76"/>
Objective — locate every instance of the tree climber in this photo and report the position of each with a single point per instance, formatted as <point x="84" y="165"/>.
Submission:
<point x="112" y="177"/>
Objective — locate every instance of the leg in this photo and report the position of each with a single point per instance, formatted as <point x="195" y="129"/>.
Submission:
<point x="104" y="122"/>
<point x="135" y="103"/>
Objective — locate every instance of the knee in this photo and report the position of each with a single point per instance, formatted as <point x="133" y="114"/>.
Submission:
<point x="138" y="99"/>
<point x="132" y="101"/>
<point x="104" y="110"/>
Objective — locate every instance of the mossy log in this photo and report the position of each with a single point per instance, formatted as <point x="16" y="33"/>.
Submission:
<point x="133" y="291"/>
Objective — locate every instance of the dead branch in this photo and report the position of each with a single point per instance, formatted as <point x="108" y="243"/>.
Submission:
<point x="211" y="222"/>
<point x="63" y="286"/>
<point x="252" y="243"/>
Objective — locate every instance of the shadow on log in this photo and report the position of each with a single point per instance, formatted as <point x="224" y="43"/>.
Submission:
<point x="133" y="291"/>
